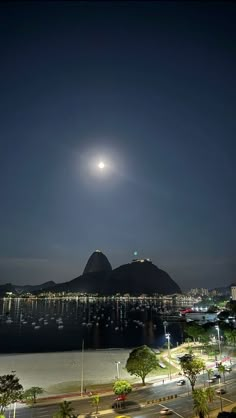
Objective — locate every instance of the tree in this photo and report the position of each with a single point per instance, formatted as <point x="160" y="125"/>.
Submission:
<point x="222" y="369"/>
<point x="30" y="395"/>
<point x="210" y="373"/>
<point x="122" y="387"/>
<point x="95" y="402"/>
<point x="194" y="331"/>
<point x="230" y="335"/>
<point x="10" y="390"/>
<point x="210" y="392"/>
<point x="192" y="367"/>
<point x="190" y="349"/>
<point x="200" y="402"/>
<point x="65" y="410"/>
<point x="142" y="360"/>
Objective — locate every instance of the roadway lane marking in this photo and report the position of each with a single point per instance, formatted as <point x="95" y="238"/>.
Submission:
<point x="225" y="399"/>
<point x="176" y="413"/>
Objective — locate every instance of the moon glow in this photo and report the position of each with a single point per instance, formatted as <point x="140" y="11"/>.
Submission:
<point x="101" y="165"/>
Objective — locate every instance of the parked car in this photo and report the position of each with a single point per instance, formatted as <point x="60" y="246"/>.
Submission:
<point x="217" y="376"/>
<point x="228" y="369"/>
<point x="220" y="391"/>
<point x="181" y="382"/>
<point x="210" y="380"/>
<point x="118" y="401"/>
<point x="165" y="411"/>
<point x="121" y="398"/>
<point x="162" y="365"/>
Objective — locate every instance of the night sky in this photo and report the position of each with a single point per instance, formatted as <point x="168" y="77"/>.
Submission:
<point x="148" y="88"/>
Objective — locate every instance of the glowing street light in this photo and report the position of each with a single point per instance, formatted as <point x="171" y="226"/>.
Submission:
<point x="118" y="369"/>
<point x="218" y="333"/>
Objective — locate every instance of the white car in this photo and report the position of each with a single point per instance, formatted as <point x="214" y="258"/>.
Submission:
<point x="165" y="411"/>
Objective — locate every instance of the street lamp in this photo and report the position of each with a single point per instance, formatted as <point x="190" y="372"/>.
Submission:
<point x="168" y="341"/>
<point x="218" y="333"/>
<point x="117" y="369"/>
<point x="165" y="324"/>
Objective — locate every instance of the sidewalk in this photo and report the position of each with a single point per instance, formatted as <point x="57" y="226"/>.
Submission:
<point x="48" y="400"/>
<point x="227" y="408"/>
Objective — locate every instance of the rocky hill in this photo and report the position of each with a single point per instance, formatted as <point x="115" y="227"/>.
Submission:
<point x="135" y="278"/>
<point x="140" y="276"/>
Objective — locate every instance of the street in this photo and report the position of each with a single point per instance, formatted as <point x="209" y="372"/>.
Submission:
<point x="137" y="405"/>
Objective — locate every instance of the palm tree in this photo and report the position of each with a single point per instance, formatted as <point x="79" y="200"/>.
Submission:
<point x="222" y="369"/>
<point x="200" y="402"/>
<point x="210" y="392"/>
<point x="210" y="373"/>
<point x="65" y="410"/>
<point x="95" y="402"/>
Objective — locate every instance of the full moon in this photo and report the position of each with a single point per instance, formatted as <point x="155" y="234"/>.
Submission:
<point x="101" y="165"/>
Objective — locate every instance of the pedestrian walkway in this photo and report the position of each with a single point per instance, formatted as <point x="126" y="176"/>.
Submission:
<point x="49" y="400"/>
<point x="227" y="408"/>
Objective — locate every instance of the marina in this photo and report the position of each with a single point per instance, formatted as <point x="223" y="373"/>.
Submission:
<point x="38" y="325"/>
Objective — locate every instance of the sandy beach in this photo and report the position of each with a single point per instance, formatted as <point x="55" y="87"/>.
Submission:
<point x="47" y="369"/>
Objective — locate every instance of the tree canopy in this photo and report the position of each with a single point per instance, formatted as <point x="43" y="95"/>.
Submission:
<point x="65" y="410"/>
<point x="200" y="402"/>
<point x="142" y="360"/>
<point x="122" y="387"/>
<point x="194" y="331"/>
<point x="10" y="390"/>
<point x="192" y="367"/>
<point x="30" y="395"/>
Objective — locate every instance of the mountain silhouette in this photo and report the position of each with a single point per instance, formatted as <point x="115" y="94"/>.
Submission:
<point x="138" y="277"/>
<point x="97" y="262"/>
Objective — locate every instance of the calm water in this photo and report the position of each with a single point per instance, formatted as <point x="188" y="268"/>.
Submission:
<point x="37" y="325"/>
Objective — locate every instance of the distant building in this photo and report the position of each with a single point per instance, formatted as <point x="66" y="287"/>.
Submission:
<point x="141" y="260"/>
<point x="233" y="292"/>
<point x="202" y="317"/>
<point x="199" y="292"/>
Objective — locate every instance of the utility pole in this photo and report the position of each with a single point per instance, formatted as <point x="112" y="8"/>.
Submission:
<point x="82" y="370"/>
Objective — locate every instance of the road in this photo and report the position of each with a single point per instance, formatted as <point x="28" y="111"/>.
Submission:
<point x="137" y="401"/>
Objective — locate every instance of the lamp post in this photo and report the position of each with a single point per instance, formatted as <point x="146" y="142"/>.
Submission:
<point x="165" y="324"/>
<point x="82" y="370"/>
<point x="218" y="333"/>
<point x="168" y="342"/>
<point x="14" y="410"/>
<point x="118" y="369"/>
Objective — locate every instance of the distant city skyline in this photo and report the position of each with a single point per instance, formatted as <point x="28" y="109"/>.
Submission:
<point x="117" y="132"/>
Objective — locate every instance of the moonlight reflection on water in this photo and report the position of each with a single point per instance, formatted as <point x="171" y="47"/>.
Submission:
<point x="39" y="325"/>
